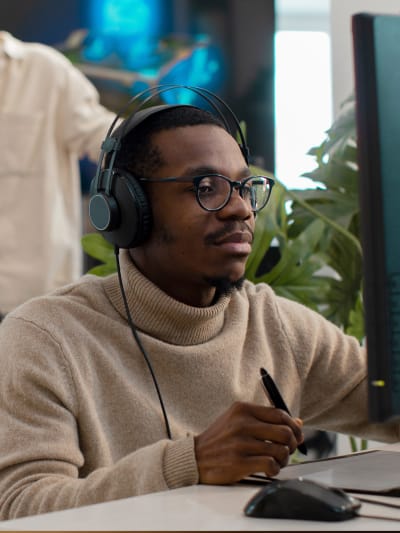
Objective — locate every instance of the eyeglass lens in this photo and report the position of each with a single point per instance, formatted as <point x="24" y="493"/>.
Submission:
<point x="214" y="192"/>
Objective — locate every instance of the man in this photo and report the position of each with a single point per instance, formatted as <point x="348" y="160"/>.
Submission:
<point x="50" y="117"/>
<point x="80" y="395"/>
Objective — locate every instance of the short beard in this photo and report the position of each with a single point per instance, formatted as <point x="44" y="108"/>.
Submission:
<point x="224" y="286"/>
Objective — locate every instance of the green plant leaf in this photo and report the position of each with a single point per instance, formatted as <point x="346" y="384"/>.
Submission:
<point x="103" y="270"/>
<point x="96" y="246"/>
<point x="356" y="325"/>
<point x="295" y="274"/>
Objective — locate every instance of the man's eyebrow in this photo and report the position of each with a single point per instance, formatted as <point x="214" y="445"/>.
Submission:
<point x="198" y="171"/>
<point x="201" y="170"/>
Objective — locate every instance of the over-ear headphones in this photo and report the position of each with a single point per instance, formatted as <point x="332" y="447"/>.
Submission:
<point x="118" y="205"/>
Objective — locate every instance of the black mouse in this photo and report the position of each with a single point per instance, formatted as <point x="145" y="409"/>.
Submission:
<point x="301" y="499"/>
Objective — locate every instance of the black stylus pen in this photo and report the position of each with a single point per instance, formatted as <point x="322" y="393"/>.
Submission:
<point x="275" y="396"/>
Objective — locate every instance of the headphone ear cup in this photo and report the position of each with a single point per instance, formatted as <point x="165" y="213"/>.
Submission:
<point x="134" y="212"/>
<point x="103" y="212"/>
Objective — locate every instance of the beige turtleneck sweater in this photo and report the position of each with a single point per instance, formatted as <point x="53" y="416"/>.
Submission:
<point x="80" y="418"/>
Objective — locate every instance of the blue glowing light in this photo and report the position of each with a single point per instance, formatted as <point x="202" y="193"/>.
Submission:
<point x="127" y="34"/>
<point x="202" y="68"/>
<point x="127" y="29"/>
<point x="139" y="86"/>
<point x="97" y="48"/>
<point x="129" y="17"/>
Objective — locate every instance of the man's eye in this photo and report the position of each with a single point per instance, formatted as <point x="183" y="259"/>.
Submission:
<point x="205" y="188"/>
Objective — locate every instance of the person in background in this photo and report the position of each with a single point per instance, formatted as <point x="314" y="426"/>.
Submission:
<point x="50" y="116"/>
<point x="111" y="388"/>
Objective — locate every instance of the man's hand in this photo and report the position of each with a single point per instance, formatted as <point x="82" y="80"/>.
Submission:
<point x="246" y="439"/>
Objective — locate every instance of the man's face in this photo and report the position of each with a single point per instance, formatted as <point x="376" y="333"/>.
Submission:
<point x="189" y="246"/>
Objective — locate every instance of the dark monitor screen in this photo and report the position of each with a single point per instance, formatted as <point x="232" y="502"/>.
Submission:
<point x="376" y="40"/>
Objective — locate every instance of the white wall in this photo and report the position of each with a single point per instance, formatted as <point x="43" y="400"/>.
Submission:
<point x="342" y="46"/>
<point x="302" y="15"/>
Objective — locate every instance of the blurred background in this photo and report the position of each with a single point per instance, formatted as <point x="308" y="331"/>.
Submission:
<point x="269" y="59"/>
<point x="284" y="66"/>
<point x="124" y="46"/>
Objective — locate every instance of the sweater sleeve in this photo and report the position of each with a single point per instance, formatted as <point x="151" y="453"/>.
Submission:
<point x="42" y="463"/>
<point x="332" y="369"/>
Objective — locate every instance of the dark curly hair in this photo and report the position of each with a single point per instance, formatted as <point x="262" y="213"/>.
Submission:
<point x="137" y="154"/>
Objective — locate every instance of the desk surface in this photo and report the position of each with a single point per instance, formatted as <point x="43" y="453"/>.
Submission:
<point x="195" y="508"/>
<point x="198" y="508"/>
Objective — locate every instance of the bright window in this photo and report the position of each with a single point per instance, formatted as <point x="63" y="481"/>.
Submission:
<point x="303" y="100"/>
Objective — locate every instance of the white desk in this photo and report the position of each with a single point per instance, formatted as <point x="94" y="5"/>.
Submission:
<point x="196" y="508"/>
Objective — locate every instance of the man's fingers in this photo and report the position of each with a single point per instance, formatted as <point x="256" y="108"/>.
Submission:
<point x="261" y="448"/>
<point x="279" y="434"/>
<point x="277" y="417"/>
<point x="245" y="439"/>
<point x="234" y="464"/>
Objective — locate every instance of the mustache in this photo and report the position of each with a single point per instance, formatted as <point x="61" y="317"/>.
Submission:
<point x="228" y="228"/>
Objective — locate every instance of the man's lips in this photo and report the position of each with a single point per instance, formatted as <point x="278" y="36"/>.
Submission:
<point x="237" y="243"/>
<point x="236" y="237"/>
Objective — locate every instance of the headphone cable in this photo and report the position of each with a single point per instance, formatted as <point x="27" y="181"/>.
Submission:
<point x="139" y="343"/>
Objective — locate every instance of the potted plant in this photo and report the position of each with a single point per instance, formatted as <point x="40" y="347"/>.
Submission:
<point x="317" y="232"/>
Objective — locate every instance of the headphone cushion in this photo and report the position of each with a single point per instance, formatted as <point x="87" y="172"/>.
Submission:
<point x="134" y="212"/>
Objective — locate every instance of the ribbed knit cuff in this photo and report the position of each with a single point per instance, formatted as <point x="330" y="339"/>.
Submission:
<point x="180" y="466"/>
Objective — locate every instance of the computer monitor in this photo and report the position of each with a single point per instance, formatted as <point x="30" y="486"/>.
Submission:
<point x="376" y="40"/>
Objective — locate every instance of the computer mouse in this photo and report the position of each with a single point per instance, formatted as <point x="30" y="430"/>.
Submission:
<point x="301" y="499"/>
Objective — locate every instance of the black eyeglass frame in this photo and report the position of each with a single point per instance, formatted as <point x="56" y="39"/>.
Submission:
<point x="239" y="185"/>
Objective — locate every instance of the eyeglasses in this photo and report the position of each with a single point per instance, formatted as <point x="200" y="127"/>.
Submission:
<point x="213" y="191"/>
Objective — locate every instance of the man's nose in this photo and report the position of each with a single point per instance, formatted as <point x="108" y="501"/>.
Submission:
<point x="237" y="206"/>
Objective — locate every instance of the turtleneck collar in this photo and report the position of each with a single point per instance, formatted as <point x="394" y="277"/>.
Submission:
<point x="159" y="315"/>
